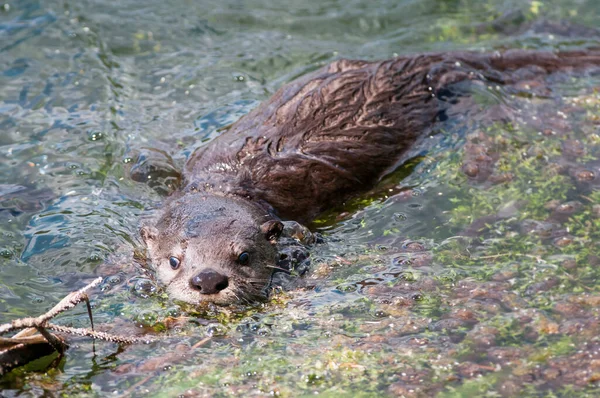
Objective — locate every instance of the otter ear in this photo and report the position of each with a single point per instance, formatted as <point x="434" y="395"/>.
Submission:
<point x="272" y="230"/>
<point x="148" y="233"/>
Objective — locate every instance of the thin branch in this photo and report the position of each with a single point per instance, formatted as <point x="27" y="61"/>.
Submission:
<point x="98" y="335"/>
<point x="7" y="342"/>
<point x="70" y="301"/>
<point x="26" y="345"/>
<point x="54" y="341"/>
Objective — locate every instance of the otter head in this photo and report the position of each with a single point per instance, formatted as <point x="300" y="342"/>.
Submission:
<point x="213" y="248"/>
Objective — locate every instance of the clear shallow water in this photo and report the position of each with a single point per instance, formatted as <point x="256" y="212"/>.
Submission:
<point x="85" y="86"/>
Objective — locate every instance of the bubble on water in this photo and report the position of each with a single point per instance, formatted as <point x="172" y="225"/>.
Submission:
<point x="346" y="288"/>
<point x="400" y="216"/>
<point x="264" y="331"/>
<point x="114" y="279"/>
<point x="95" y="135"/>
<point x="402" y="261"/>
<point x="413" y="246"/>
<point x="95" y="257"/>
<point x="216" y="329"/>
<point x="144" y="288"/>
<point x="146" y="317"/>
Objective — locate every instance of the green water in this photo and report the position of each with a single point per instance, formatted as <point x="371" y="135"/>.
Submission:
<point x="397" y="303"/>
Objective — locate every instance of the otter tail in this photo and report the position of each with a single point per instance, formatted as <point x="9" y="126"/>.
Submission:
<point x="506" y="67"/>
<point x="549" y="61"/>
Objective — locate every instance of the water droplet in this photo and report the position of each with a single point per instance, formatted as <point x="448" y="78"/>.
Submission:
<point x="400" y="216"/>
<point x="216" y="329"/>
<point x="94" y="258"/>
<point x="174" y="311"/>
<point x="144" y="288"/>
<point x="346" y="288"/>
<point x="96" y="135"/>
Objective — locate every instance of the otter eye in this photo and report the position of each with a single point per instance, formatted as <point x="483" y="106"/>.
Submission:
<point x="174" y="262"/>
<point x="244" y="258"/>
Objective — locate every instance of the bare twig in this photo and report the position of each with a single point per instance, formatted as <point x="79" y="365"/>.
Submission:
<point x="54" y="341"/>
<point x="26" y="345"/>
<point x="201" y="342"/>
<point x="7" y="342"/>
<point x="98" y="335"/>
<point x="70" y="301"/>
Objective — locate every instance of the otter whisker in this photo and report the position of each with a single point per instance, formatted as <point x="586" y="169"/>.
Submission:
<point x="279" y="268"/>
<point x="251" y="293"/>
<point x="254" y="284"/>
<point x="242" y="298"/>
<point x="245" y="292"/>
<point x="236" y="296"/>
<point x="257" y="280"/>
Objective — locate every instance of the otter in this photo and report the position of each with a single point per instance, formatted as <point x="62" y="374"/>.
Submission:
<point x="319" y="140"/>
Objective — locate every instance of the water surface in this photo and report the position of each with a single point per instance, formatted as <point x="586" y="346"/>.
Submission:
<point x="453" y="286"/>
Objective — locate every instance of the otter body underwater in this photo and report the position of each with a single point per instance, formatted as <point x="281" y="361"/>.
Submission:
<point x="316" y="142"/>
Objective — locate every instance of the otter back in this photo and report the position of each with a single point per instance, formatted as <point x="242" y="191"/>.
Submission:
<point x="337" y="131"/>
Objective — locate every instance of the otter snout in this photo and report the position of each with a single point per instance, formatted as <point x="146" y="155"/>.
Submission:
<point x="209" y="281"/>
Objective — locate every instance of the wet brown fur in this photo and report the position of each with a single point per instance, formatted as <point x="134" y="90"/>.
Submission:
<point x="319" y="140"/>
<point x="337" y="131"/>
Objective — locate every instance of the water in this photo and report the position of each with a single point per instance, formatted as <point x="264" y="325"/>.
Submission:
<point x="397" y="303"/>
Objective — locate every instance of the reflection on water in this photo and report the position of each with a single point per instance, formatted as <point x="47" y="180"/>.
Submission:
<point x="459" y="283"/>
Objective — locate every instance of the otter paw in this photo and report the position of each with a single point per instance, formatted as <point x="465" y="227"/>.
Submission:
<point x="294" y="259"/>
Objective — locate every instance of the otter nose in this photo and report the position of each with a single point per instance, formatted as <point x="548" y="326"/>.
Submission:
<point x="209" y="281"/>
